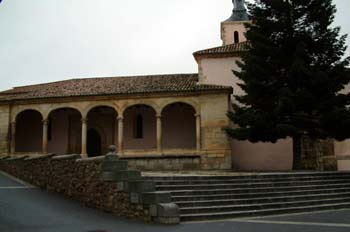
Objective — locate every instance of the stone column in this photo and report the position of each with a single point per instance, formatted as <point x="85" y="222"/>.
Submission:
<point x="45" y="136"/>
<point x="120" y="135"/>
<point x="159" y="133"/>
<point x="83" y="137"/>
<point x="13" y="137"/>
<point x="198" y="132"/>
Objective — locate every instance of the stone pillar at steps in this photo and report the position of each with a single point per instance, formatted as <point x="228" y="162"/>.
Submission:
<point x="141" y="191"/>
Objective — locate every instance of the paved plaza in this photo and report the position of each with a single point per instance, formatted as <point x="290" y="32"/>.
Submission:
<point x="24" y="208"/>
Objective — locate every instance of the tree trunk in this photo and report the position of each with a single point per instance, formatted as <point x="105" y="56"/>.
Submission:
<point x="296" y="153"/>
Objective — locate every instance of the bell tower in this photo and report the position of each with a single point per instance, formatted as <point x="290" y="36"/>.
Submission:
<point x="232" y="30"/>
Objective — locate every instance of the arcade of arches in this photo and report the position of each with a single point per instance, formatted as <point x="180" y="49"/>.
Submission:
<point x="138" y="128"/>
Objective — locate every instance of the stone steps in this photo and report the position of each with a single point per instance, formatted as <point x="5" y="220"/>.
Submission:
<point x="247" y="185"/>
<point x="204" y="197"/>
<point x="255" y="195"/>
<point x="254" y="190"/>
<point x="262" y="212"/>
<point x="168" y="177"/>
<point x="262" y="200"/>
<point x="240" y="181"/>
<point x="275" y="205"/>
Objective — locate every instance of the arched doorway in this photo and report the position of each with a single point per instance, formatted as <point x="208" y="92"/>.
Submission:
<point x="103" y="119"/>
<point x="93" y="145"/>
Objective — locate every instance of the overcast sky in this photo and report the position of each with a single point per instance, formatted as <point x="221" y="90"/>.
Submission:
<point x="50" y="40"/>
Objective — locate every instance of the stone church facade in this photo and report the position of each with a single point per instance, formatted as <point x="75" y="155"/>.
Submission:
<point x="176" y="121"/>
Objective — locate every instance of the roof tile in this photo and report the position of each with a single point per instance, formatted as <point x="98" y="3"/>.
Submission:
<point x="226" y="49"/>
<point x="110" y="86"/>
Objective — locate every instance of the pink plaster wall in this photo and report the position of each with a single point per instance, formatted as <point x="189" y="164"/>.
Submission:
<point x="29" y="132"/>
<point x="58" y="143"/>
<point x="341" y="149"/>
<point x="219" y="71"/>
<point x="262" y="156"/>
<point x="74" y="135"/>
<point x="179" y="127"/>
<point x="65" y="132"/>
<point x="245" y="155"/>
<point x="228" y="29"/>
<point x="149" y="128"/>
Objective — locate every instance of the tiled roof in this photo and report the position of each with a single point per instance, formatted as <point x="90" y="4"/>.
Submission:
<point x="230" y="49"/>
<point x="110" y="86"/>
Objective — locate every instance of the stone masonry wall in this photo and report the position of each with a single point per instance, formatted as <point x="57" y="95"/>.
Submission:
<point x="4" y="122"/>
<point x="78" y="179"/>
<point x="318" y="155"/>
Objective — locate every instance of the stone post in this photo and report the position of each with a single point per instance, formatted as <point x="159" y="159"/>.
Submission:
<point x="120" y="135"/>
<point x="159" y="133"/>
<point x="13" y="137"/>
<point x="45" y="136"/>
<point x="83" y="137"/>
<point x="198" y="132"/>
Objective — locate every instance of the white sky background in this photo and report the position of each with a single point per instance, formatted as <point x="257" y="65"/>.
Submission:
<point x="49" y="40"/>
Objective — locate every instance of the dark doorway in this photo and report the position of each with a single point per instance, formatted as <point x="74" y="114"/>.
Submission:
<point x="93" y="143"/>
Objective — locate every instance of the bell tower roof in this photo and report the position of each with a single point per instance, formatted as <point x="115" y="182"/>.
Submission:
<point x="239" y="12"/>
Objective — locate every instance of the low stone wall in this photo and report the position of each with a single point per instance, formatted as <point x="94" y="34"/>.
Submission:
<point x="164" y="163"/>
<point x="103" y="183"/>
<point x="318" y="155"/>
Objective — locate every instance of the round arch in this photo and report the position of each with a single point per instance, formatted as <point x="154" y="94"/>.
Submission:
<point x="46" y="115"/>
<point x="93" y="106"/>
<point x="150" y="104"/>
<point x="193" y="104"/>
<point x="19" y="111"/>
<point x="29" y="120"/>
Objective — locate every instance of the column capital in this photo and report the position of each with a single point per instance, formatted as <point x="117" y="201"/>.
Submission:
<point x="158" y="116"/>
<point x="197" y="115"/>
<point x="45" y="121"/>
<point x="13" y="123"/>
<point x="84" y="120"/>
<point x="120" y="118"/>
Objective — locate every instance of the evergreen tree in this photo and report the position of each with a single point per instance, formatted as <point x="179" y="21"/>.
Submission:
<point x="294" y="75"/>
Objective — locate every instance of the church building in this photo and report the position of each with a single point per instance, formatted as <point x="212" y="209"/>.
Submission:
<point x="159" y="122"/>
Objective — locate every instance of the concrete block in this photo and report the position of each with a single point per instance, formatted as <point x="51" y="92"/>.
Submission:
<point x="135" y="198"/>
<point x="165" y="210"/>
<point x="141" y="186"/>
<point x="111" y="158"/>
<point x="122" y="186"/>
<point x="167" y="220"/>
<point x="114" y="165"/>
<point x="156" y="198"/>
<point x="136" y="186"/>
<point x="121" y="176"/>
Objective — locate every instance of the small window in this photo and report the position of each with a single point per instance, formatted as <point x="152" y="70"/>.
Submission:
<point x="236" y="37"/>
<point x="138" y="127"/>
